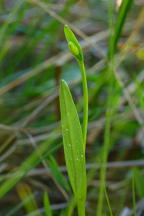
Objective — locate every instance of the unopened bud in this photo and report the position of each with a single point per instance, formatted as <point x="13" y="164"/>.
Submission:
<point x="73" y="49"/>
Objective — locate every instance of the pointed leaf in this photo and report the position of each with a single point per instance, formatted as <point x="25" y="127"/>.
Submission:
<point x="73" y="144"/>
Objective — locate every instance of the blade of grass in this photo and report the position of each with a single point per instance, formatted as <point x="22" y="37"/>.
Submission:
<point x="10" y="18"/>
<point x="108" y="202"/>
<point x="114" y="36"/>
<point x="139" y="179"/>
<point x="133" y="195"/>
<point x="16" y="208"/>
<point x="73" y="147"/>
<point x="16" y="15"/>
<point x="24" y="191"/>
<point x="47" y="205"/>
<point x="70" y="208"/>
<point x="105" y="152"/>
<point x="26" y="166"/>
<point x="123" y="11"/>
<point x="54" y="167"/>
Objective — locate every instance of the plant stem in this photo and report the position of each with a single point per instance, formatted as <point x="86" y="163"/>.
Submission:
<point x="133" y="195"/>
<point x="81" y="208"/>
<point x="85" y="100"/>
<point x="104" y="161"/>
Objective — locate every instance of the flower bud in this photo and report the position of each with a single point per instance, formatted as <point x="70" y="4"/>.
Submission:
<point x="73" y="49"/>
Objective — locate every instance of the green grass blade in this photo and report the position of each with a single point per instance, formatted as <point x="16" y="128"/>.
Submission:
<point x="48" y="211"/>
<point x="73" y="146"/>
<point x="10" y="18"/>
<point x="116" y="30"/>
<point x="19" y="206"/>
<point x="123" y="11"/>
<point x="134" y="195"/>
<point x="139" y="179"/>
<point x="108" y="202"/>
<point x="54" y="167"/>
<point x="25" y="191"/>
<point x="70" y="208"/>
<point x="26" y="166"/>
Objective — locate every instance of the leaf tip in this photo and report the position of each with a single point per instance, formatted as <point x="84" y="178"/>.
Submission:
<point x="68" y="33"/>
<point x="66" y="27"/>
<point x="63" y="84"/>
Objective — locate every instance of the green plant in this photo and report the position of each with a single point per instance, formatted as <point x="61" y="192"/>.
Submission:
<point x="34" y="159"/>
<point x="76" y="50"/>
<point x="134" y="194"/>
<point x="47" y="205"/>
<point x="24" y="191"/>
<point x="73" y="138"/>
<point x="33" y="59"/>
<point x="115" y="32"/>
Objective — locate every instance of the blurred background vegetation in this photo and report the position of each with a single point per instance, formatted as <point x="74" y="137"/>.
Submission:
<point x="33" y="59"/>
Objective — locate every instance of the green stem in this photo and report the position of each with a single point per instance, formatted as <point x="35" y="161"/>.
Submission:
<point x="81" y="208"/>
<point x="105" y="152"/>
<point x="133" y="195"/>
<point x="85" y="100"/>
